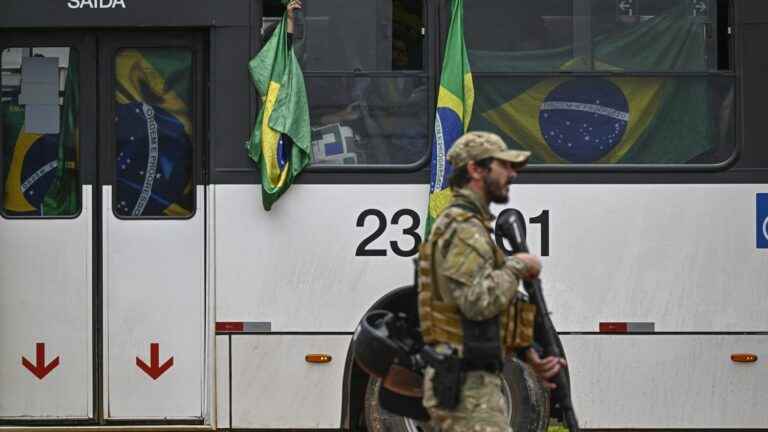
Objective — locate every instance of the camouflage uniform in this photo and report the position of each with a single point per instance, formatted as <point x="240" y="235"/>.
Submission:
<point x="470" y="271"/>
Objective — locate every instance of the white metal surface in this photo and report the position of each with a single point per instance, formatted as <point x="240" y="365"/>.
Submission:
<point x="680" y="256"/>
<point x="46" y="297"/>
<point x="222" y="382"/>
<point x="154" y="293"/>
<point x="274" y="387"/>
<point x="668" y="381"/>
<point x="295" y="266"/>
<point x="211" y="354"/>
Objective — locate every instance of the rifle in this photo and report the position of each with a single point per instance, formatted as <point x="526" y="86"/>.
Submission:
<point x="510" y="227"/>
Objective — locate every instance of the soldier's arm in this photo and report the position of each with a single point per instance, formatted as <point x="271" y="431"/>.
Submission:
<point x="480" y="289"/>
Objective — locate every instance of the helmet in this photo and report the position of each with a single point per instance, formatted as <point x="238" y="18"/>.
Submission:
<point x="388" y="356"/>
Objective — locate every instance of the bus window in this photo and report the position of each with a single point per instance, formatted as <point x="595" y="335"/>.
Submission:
<point x="363" y="64"/>
<point x="581" y="35"/>
<point x="603" y="83"/>
<point x="611" y="120"/>
<point x="39" y="109"/>
<point x="657" y="35"/>
<point x="361" y="35"/>
<point x="370" y="121"/>
<point x="153" y="133"/>
<point x="519" y="35"/>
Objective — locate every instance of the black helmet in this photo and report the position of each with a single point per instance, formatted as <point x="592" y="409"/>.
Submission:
<point x="385" y="355"/>
<point x="375" y="351"/>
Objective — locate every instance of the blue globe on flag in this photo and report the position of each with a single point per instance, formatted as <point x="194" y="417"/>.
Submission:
<point x="582" y="120"/>
<point x="39" y="169"/>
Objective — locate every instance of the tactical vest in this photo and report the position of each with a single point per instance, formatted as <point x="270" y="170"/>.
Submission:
<point x="441" y="322"/>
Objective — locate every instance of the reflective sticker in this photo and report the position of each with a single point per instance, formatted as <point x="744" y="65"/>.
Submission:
<point x="762" y="220"/>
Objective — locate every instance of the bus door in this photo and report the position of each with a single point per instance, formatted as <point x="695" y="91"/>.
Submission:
<point x="102" y="244"/>
<point x="152" y="224"/>
<point x="47" y="268"/>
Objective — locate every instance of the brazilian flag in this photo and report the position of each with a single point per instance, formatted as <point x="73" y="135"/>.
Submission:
<point x="454" y="111"/>
<point x="606" y="120"/>
<point x="62" y="197"/>
<point x="281" y="137"/>
<point x="154" y="130"/>
<point x="41" y="169"/>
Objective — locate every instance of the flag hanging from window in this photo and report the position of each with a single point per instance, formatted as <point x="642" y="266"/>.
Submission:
<point x="454" y="110"/>
<point x="281" y="138"/>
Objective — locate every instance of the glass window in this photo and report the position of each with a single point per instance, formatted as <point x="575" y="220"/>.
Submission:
<point x="654" y="35"/>
<point x="684" y="115"/>
<point x="611" y="120"/>
<point x="519" y="35"/>
<point x="587" y="35"/>
<point x="368" y="91"/>
<point x="40" y="104"/>
<point x="362" y="35"/>
<point x="371" y="121"/>
<point x="154" y="133"/>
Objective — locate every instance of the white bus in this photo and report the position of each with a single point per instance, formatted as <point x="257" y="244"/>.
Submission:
<point x="142" y="284"/>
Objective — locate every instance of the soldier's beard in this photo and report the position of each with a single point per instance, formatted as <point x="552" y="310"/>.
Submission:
<point x="496" y="190"/>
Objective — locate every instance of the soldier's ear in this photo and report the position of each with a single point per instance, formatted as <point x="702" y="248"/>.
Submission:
<point x="475" y="171"/>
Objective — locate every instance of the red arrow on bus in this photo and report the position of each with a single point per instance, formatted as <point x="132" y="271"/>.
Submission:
<point x="154" y="369"/>
<point x="39" y="369"/>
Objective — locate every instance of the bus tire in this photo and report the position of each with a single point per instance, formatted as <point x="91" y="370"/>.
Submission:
<point x="528" y="403"/>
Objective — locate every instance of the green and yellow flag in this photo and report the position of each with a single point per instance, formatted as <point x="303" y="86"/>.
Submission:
<point x="61" y="198"/>
<point x="281" y="139"/>
<point x="454" y="111"/>
<point x="605" y="119"/>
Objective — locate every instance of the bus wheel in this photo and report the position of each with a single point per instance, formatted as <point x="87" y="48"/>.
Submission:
<point x="527" y="403"/>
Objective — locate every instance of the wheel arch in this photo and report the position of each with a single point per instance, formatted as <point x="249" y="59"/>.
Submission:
<point x="402" y="299"/>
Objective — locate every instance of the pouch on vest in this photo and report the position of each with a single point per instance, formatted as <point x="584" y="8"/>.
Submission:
<point x="482" y="344"/>
<point x="449" y="377"/>
<point x="525" y="318"/>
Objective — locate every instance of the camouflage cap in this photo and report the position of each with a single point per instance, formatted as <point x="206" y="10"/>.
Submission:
<point x="474" y="146"/>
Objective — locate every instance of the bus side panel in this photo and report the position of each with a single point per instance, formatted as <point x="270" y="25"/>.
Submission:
<point x="667" y="381"/>
<point x="273" y="386"/>
<point x="302" y="266"/>
<point x="154" y="291"/>
<point x="683" y="257"/>
<point x="222" y="382"/>
<point x="46" y="316"/>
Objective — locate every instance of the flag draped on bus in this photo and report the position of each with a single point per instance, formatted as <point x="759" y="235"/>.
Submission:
<point x="454" y="111"/>
<point x="605" y="120"/>
<point x="281" y="137"/>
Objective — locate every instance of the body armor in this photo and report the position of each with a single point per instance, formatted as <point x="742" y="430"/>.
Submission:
<point x="441" y="321"/>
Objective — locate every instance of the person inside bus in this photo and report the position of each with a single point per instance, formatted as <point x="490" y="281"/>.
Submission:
<point x="269" y="30"/>
<point x="390" y="113"/>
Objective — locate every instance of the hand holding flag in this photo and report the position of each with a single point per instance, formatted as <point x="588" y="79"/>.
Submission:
<point x="281" y="137"/>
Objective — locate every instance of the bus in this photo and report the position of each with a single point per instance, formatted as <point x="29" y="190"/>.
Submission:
<point x="143" y="285"/>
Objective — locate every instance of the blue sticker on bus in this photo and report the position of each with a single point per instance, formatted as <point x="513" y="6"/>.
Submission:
<point x="762" y="221"/>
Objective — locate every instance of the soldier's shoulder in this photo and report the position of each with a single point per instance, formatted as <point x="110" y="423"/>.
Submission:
<point x="456" y="218"/>
<point x="464" y="231"/>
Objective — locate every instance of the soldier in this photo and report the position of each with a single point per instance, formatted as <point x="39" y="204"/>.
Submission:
<point x="468" y="292"/>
